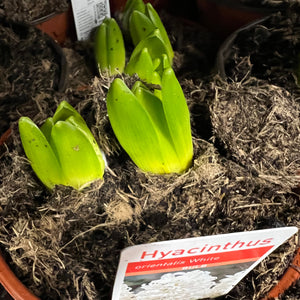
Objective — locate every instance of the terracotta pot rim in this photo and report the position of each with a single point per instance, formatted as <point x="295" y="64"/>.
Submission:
<point x="5" y="136"/>
<point x="47" y="17"/>
<point x="8" y="279"/>
<point x="290" y="276"/>
<point x="12" y="284"/>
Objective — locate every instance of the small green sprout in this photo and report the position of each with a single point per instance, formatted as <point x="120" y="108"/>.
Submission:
<point x="148" y="58"/>
<point x="109" y="48"/>
<point x="63" y="151"/>
<point x="154" y="131"/>
<point x="144" y="23"/>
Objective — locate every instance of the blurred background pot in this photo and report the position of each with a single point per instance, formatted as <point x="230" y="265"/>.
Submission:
<point x="226" y="50"/>
<point x="267" y="48"/>
<point x="59" y="26"/>
<point x="118" y="5"/>
<point x="225" y="16"/>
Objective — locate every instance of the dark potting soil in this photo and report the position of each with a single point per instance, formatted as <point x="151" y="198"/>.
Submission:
<point x="66" y="244"/>
<point x="258" y="125"/>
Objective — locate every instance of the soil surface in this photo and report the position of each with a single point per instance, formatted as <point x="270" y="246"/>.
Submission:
<point x="66" y="244"/>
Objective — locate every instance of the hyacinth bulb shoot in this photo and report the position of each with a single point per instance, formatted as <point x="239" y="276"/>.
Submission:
<point x="153" y="128"/>
<point x="63" y="151"/>
<point x="142" y="23"/>
<point x="109" y="48"/>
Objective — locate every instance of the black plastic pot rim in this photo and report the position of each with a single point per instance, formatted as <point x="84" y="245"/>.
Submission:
<point x="236" y="4"/>
<point x="225" y="48"/>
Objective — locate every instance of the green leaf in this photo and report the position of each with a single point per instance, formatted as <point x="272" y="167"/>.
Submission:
<point x="46" y="128"/>
<point x="163" y="64"/>
<point x="40" y="154"/>
<point x="109" y="47"/>
<point x="177" y="115"/>
<point x="81" y="126"/>
<point x="142" y="66"/>
<point x="155" y="47"/>
<point x="130" y="6"/>
<point x="156" y="20"/>
<point x="156" y="79"/>
<point x="140" y="26"/>
<point x="64" y="151"/>
<point x="157" y="62"/>
<point x="115" y="47"/>
<point x="100" y="45"/>
<point x="80" y="163"/>
<point x="154" y="107"/>
<point x="65" y="110"/>
<point x="135" y="129"/>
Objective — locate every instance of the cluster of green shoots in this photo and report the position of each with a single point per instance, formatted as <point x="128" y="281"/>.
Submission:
<point x="151" y="120"/>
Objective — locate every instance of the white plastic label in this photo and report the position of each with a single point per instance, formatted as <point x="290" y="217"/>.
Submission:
<point x="88" y="14"/>
<point x="194" y="268"/>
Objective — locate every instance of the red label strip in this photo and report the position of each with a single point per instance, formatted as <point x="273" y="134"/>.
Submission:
<point x="204" y="260"/>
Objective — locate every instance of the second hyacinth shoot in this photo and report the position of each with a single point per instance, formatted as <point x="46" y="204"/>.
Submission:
<point x="148" y="36"/>
<point x="152" y="125"/>
<point x="153" y="128"/>
<point x="109" y="48"/>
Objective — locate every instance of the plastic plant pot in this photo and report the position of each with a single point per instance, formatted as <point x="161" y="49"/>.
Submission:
<point x="263" y="43"/>
<point x="225" y="49"/>
<point x="58" y="26"/>
<point x="118" y="5"/>
<point x="291" y="275"/>
<point x="12" y="284"/>
<point x="226" y="16"/>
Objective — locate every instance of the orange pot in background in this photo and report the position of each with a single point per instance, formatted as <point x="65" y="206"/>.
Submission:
<point x="59" y="26"/>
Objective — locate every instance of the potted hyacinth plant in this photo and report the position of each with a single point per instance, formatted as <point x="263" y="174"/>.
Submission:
<point x="63" y="151"/>
<point x="129" y="158"/>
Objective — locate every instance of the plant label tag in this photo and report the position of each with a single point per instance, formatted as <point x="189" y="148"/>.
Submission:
<point x="88" y="14"/>
<point x="193" y="268"/>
